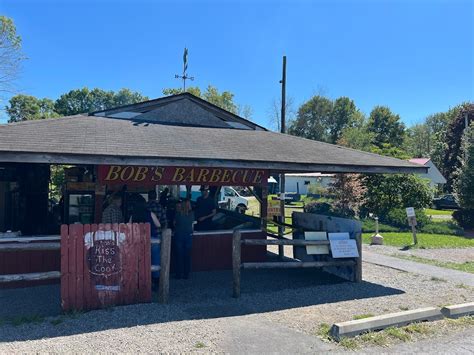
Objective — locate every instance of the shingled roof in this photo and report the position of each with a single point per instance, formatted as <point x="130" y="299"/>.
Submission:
<point x="102" y="139"/>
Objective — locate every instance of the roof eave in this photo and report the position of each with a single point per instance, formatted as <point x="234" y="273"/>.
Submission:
<point x="294" y="167"/>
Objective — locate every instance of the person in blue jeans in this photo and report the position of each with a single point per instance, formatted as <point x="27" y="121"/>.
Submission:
<point x="142" y="213"/>
<point x="183" y="238"/>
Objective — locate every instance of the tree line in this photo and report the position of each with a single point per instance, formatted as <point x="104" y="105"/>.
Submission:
<point x="442" y="137"/>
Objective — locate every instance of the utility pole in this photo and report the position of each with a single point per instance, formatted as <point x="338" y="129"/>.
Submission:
<point x="281" y="228"/>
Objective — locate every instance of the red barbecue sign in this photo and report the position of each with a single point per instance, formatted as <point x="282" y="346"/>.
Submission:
<point x="172" y="175"/>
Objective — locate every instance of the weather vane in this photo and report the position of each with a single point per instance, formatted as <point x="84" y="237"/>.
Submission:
<point x="185" y="68"/>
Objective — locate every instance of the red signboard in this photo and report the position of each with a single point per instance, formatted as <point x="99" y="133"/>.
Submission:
<point x="172" y="175"/>
<point x="105" y="265"/>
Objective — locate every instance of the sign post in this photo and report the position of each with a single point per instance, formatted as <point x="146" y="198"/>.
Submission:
<point x="412" y="222"/>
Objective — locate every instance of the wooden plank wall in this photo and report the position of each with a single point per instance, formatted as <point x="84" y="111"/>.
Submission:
<point x="85" y="288"/>
<point x="28" y="261"/>
<point x="214" y="251"/>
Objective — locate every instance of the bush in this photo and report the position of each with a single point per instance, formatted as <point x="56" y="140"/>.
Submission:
<point x="446" y="228"/>
<point x="327" y="210"/>
<point x="386" y="192"/>
<point x="397" y="217"/>
<point x="368" y="226"/>
<point x="465" y="218"/>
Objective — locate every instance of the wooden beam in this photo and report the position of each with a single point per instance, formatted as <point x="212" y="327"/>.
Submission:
<point x="5" y="247"/>
<point x="236" y="255"/>
<point x="296" y="264"/>
<point x="30" y="239"/>
<point x="34" y="276"/>
<point x="287" y="167"/>
<point x="164" y="285"/>
<point x="297" y="242"/>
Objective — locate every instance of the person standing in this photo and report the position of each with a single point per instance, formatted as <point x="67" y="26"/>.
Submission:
<point x="205" y="210"/>
<point x="183" y="235"/>
<point x="140" y="213"/>
<point x="113" y="212"/>
<point x="155" y="206"/>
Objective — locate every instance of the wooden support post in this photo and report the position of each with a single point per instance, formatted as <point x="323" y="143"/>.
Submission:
<point x="236" y="253"/>
<point x="413" y="230"/>
<point x="358" y="266"/>
<point x="281" y="227"/>
<point x="263" y="199"/>
<point x="164" y="287"/>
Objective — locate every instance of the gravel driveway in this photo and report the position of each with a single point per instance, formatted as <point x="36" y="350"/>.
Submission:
<point x="276" y="306"/>
<point x="455" y="255"/>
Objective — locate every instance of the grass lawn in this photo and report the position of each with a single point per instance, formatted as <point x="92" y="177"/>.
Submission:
<point x="428" y="241"/>
<point x="468" y="266"/>
<point x="432" y="212"/>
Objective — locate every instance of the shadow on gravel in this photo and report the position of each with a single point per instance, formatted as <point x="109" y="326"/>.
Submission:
<point x="205" y="295"/>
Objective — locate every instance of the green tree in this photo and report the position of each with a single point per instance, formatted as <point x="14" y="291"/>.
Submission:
<point x="26" y="107"/>
<point x="11" y="56"/>
<point x="357" y="136"/>
<point x="387" y="192"/>
<point x="344" y="115"/>
<point x="85" y="100"/>
<point x="386" y="127"/>
<point x="451" y="159"/>
<point x="126" y="97"/>
<point x="464" y="182"/>
<point x="418" y="141"/>
<point x="313" y="119"/>
<point x="196" y="91"/>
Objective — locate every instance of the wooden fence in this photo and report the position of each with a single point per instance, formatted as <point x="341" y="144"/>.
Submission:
<point x="350" y="269"/>
<point x="104" y="265"/>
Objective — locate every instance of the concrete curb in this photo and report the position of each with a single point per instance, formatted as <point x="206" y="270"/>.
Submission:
<point x="458" y="310"/>
<point x="356" y="327"/>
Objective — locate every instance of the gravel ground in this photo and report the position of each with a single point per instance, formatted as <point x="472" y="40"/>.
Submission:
<point x="455" y="255"/>
<point x="202" y="315"/>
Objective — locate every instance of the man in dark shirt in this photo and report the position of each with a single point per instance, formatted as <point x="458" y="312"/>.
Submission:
<point x="154" y="206"/>
<point x="205" y="210"/>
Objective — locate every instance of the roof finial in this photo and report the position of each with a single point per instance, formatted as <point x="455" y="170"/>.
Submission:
<point x="185" y="68"/>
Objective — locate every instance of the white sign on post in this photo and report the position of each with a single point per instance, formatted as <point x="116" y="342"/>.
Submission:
<point x="410" y="212"/>
<point x="316" y="249"/>
<point x="344" y="248"/>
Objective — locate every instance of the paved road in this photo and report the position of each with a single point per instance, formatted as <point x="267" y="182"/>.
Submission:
<point x="458" y="343"/>
<point x="419" y="268"/>
<point x="256" y="336"/>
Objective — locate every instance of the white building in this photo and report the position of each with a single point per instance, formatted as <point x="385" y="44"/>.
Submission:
<point x="433" y="174"/>
<point x="300" y="182"/>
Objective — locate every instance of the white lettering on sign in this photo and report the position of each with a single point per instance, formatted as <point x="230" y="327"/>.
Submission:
<point x="344" y="248"/>
<point x="410" y="212"/>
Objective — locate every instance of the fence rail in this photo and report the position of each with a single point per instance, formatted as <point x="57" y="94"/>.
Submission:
<point x="237" y="265"/>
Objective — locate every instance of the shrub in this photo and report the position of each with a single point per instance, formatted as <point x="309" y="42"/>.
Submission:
<point x="327" y="210"/>
<point x="368" y="226"/>
<point x="465" y="218"/>
<point x="397" y="217"/>
<point x="447" y="228"/>
<point x="386" y="192"/>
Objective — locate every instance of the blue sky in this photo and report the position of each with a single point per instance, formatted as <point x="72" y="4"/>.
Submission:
<point x="414" y="56"/>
